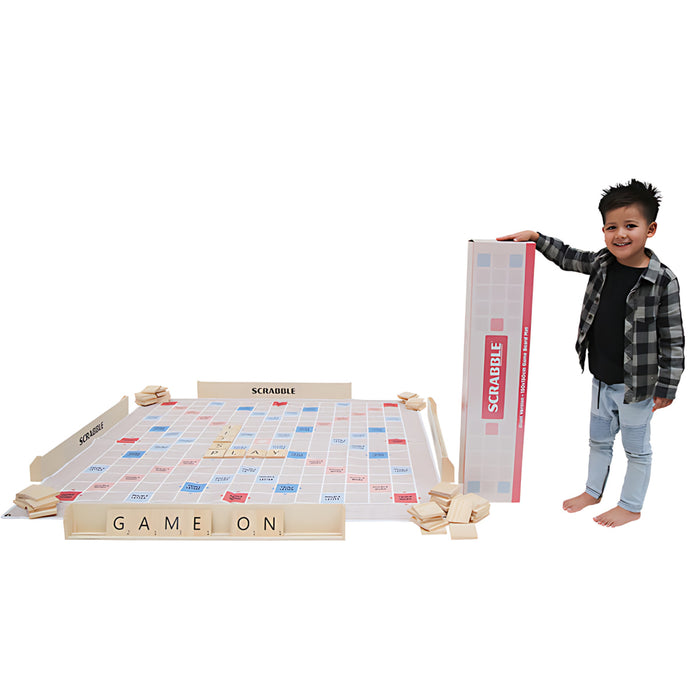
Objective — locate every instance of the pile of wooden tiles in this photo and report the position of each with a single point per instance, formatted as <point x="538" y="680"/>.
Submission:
<point x="38" y="500"/>
<point x="430" y="517"/>
<point x="448" y="508"/>
<point x="152" y="394"/>
<point x="412" y="401"/>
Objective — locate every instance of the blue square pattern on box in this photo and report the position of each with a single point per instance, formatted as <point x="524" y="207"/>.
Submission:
<point x="296" y="455"/>
<point x="483" y="260"/>
<point x="516" y="260"/>
<point x="216" y="403"/>
<point x="245" y="408"/>
<point x="379" y="455"/>
<point x="305" y="429"/>
<point x="133" y="454"/>
<point x="377" y="430"/>
<point x="159" y="429"/>
<point x="310" y="409"/>
<point x="503" y="487"/>
<point x="473" y="486"/>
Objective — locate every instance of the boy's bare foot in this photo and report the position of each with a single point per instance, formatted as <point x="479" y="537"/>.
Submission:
<point x="616" y="517"/>
<point x="573" y="505"/>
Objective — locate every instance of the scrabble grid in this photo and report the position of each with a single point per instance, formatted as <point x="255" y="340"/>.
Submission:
<point x="372" y="456"/>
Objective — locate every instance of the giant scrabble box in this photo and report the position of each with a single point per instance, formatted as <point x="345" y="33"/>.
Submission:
<point x="496" y="354"/>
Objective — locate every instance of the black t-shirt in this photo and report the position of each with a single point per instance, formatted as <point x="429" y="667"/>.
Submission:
<point x="607" y="335"/>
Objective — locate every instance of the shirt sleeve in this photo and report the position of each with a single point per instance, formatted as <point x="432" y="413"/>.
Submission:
<point x="671" y="342"/>
<point x="566" y="257"/>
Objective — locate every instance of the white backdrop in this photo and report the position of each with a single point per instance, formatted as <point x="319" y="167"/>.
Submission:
<point x="284" y="191"/>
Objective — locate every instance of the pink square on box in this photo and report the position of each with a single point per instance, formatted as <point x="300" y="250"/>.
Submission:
<point x="491" y="428"/>
<point x="496" y="324"/>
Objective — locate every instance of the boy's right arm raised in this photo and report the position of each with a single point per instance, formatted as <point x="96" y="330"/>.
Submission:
<point x="566" y="257"/>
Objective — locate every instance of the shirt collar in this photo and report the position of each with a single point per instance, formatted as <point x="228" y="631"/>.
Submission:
<point x="651" y="271"/>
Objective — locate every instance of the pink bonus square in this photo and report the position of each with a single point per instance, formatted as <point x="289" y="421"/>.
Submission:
<point x="491" y="429"/>
<point x="496" y="324"/>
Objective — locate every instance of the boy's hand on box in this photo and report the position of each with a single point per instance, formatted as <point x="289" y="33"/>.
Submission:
<point x="661" y="403"/>
<point x="520" y="237"/>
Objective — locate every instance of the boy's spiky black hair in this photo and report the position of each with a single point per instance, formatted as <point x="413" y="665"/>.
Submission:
<point x="643" y="194"/>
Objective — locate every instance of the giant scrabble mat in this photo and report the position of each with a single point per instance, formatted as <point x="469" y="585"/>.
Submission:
<point x="372" y="456"/>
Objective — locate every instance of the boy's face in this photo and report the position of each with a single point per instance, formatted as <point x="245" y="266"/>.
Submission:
<point x="626" y="232"/>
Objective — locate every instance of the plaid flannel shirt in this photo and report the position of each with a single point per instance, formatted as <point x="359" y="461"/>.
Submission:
<point x="654" y="340"/>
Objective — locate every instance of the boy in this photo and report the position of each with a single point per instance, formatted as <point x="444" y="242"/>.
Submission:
<point x="631" y="327"/>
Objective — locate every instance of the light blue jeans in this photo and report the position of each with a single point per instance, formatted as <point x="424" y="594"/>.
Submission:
<point x="610" y="415"/>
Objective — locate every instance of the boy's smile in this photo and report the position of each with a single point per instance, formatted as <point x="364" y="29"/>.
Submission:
<point x="626" y="232"/>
